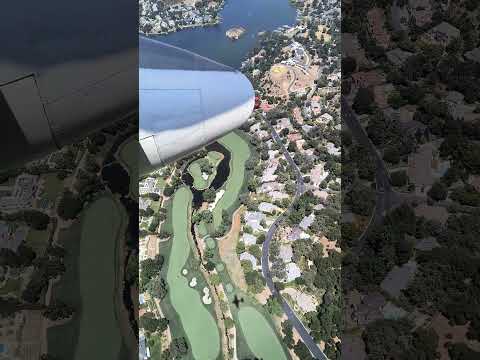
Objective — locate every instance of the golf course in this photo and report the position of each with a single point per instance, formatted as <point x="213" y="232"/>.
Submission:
<point x="89" y="284"/>
<point x="240" y="152"/>
<point x="128" y="154"/>
<point x="260" y="337"/>
<point x="199" y="182"/>
<point x="199" y="325"/>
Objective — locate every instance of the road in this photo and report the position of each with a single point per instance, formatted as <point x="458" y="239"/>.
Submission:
<point x="387" y="198"/>
<point x="315" y="350"/>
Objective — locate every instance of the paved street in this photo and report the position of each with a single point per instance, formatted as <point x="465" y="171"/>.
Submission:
<point x="294" y="321"/>
<point x="387" y="198"/>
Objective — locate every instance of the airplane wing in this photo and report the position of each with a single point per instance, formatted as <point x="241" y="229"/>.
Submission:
<point x="66" y="70"/>
<point x="186" y="102"/>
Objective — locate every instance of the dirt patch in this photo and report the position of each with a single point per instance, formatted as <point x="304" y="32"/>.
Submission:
<point x="280" y="76"/>
<point x="453" y="334"/>
<point x="304" y="79"/>
<point x="263" y="296"/>
<point x="227" y="247"/>
<point x="437" y="213"/>
<point x="329" y="246"/>
<point x="152" y="246"/>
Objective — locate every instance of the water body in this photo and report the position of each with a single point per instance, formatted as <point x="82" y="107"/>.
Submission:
<point x="254" y="15"/>
<point x="223" y="170"/>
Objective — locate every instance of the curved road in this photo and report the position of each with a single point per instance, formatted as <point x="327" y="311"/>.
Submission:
<point x="316" y="352"/>
<point x="387" y="198"/>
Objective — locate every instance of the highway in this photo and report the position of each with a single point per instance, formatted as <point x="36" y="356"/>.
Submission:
<point x="315" y="350"/>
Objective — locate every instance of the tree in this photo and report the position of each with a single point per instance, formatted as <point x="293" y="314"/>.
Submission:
<point x="399" y="178"/>
<point x="58" y="311"/>
<point x="255" y="250"/>
<point x="216" y="280"/>
<point x="151" y="324"/>
<point x="260" y="238"/>
<point x="438" y="191"/>
<point x="391" y="155"/>
<point x="69" y="206"/>
<point x="396" y="100"/>
<point x="149" y="268"/>
<point x="255" y="281"/>
<point x="302" y="351"/>
<point x="207" y="216"/>
<point x="154" y="196"/>
<point x="466" y="196"/>
<point x="168" y="190"/>
<point x="178" y="347"/>
<point x="98" y="139"/>
<point x="152" y="227"/>
<point x="292" y="146"/>
<point x="461" y="351"/>
<point x="209" y="195"/>
<point x="363" y="101"/>
<point x="157" y="287"/>
<point x="349" y="65"/>
<point x="273" y="306"/>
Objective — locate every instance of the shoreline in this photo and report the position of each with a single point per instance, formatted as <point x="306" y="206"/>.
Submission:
<point x="180" y="28"/>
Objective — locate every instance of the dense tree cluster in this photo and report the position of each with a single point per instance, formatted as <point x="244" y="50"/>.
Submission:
<point x="151" y="323"/>
<point x="149" y="268"/>
<point x="394" y="339"/>
<point x="58" y="311"/>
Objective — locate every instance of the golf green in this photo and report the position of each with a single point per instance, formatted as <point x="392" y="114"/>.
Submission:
<point x="240" y="152"/>
<point x="199" y="325"/>
<point x="91" y="278"/>
<point x="260" y="336"/>
<point x="194" y="169"/>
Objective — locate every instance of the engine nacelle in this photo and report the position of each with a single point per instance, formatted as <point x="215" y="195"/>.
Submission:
<point x="186" y="102"/>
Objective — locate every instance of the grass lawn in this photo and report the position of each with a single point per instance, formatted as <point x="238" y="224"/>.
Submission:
<point x="240" y="152"/>
<point x="260" y="336"/>
<point x="128" y="154"/>
<point x="89" y="285"/>
<point x="161" y="183"/>
<point x="197" y="321"/>
<point x="51" y="187"/>
<point x="155" y="205"/>
<point x="194" y="169"/>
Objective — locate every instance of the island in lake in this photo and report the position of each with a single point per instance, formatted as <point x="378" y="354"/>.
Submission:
<point x="235" y="32"/>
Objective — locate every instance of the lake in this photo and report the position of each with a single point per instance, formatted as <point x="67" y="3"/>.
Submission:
<point x="253" y="15"/>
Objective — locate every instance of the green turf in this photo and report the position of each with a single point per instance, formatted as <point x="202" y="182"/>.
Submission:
<point x="240" y="152"/>
<point x="198" y="323"/>
<point x="161" y="183"/>
<point x="261" y="338"/>
<point x="51" y="187"/>
<point x="220" y="267"/>
<point x="89" y="285"/>
<point x="194" y="169"/>
<point x="128" y="154"/>
<point x="210" y="243"/>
